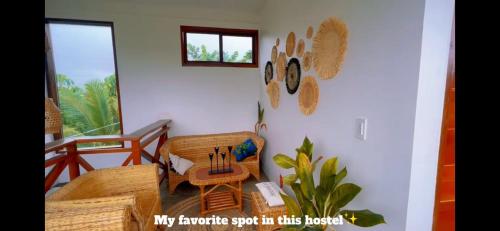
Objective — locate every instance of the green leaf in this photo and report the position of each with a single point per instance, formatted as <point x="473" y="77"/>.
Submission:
<point x="290" y="179"/>
<point x="306" y="205"/>
<point x="327" y="174"/>
<point x="316" y="162"/>
<point x="308" y="208"/>
<point x="291" y="205"/>
<point x="320" y="198"/>
<point x="340" y="176"/>
<point x="344" y="194"/>
<point x="284" y="161"/>
<point x="307" y="148"/>
<point x="304" y="172"/>
<point x="364" y="218"/>
<point x="298" y="193"/>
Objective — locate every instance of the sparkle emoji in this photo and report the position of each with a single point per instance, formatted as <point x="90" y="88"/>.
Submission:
<point x="353" y="218"/>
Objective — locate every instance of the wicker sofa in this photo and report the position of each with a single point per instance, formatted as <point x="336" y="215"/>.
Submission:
<point x="123" y="198"/>
<point x="196" y="148"/>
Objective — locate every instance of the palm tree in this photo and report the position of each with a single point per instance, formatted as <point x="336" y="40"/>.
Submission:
<point x="89" y="111"/>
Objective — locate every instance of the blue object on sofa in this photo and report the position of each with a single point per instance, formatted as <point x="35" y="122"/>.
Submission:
<point x="245" y="150"/>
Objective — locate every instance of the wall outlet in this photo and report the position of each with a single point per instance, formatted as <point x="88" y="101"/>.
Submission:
<point x="361" y="128"/>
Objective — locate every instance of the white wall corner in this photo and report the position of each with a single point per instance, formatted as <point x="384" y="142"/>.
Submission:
<point x="438" y="17"/>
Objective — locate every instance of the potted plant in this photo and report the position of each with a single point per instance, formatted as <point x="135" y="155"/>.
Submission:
<point x="260" y="117"/>
<point x="324" y="200"/>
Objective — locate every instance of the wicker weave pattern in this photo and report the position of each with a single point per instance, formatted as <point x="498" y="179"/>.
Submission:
<point x="260" y="208"/>
<point x="53" y="118"/>
<point x="100" y="218"/>
<point x="135" y="188"/>
<point x="197" y="147"/>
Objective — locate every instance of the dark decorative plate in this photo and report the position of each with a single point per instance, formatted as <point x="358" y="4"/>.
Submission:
<point x="292" y="75"/>
<point x="268" y="72"/>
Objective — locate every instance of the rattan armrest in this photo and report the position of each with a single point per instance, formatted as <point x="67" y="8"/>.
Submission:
<point x="99" y="218"/>
<point x="259" y="142"/>
<point x="69" y="206"/>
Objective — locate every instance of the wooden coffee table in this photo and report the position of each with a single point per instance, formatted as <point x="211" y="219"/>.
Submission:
<point x="219" y="200"/>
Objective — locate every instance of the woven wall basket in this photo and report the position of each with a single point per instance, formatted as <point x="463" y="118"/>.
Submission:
<point x="300" y="48"/>
<point x="274" y="54"/>
<point x="290" y="44"/>
<point x="273" y="92"/>
<point x="309" y="32"/>
<point x="329" y="47"/>
<point x="281" y="67"/>
<point x="53" y="119"/>
<point x="292" y="79"/>
<point x="308" y="95"/>
<point x="268" y="72"/>
<point x="307" y="61"/>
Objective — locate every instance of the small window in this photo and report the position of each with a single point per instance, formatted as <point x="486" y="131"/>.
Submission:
<point x="208" y="46"/>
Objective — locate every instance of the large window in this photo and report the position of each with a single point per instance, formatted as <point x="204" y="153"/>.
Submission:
<point x="208" y="46"/>
<point x="82" y="77"/>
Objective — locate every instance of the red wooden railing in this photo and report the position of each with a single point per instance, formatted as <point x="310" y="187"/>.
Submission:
<point x="69" y="155"/>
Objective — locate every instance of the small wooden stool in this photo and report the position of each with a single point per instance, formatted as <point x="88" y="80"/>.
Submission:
<point x="260" y="208"/>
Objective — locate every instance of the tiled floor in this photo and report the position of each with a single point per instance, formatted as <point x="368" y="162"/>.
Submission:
<point x="186" y="190"/>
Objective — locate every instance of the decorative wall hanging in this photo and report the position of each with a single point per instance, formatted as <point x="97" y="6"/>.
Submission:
<point x="292" y="75"/>
<point x="273" y="91"/>
<point x="53" y="118"/>
<point x="308" y="95"/>
<point x="268" y="72"/>
<point x="307" y="60"/>
<point x="300" y="48"/>
<point x="281" y="67"/>
<point x="329" y="47"/>
<point x="274" y="54"/>
<point x="309" y="32"/>
<point x="277" y="41"/>
<point x="290" y="44"/>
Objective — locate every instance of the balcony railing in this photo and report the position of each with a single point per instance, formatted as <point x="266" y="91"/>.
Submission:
<point x="70" y="156"/>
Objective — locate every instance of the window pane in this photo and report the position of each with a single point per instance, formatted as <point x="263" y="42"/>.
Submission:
<point x="202" y="47"/>
<point x="86" y="81"/>
<point x="237" y="49"/>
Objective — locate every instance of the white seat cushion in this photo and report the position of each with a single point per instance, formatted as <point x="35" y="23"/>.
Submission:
<point x="180" y="164"/>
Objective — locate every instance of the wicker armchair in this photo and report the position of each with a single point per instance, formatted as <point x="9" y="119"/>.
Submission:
<point x="196" y="148"/>
<point x="123" y="198"/>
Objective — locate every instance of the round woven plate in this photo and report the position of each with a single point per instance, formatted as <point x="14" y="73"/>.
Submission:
<point x="290" y="44"/>
<point x="292" y="76"/>
<point x="308" y="95"/>
<point x="309" y="32"/>
<point x="329" y="47"/>
<point x="307" y="60"/>
<point x="274" y="54"/>
<point x="268" y="72"/>
<point x="300" y="48"/>
<point x="281" y="67"/>
<point x="273" y="91"/>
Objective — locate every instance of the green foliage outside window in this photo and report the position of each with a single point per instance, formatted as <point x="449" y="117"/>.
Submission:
<point x="89" y="110"/>
<point x="201" y="54"/>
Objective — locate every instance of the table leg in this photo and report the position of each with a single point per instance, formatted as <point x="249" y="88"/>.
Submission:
<point x="202" y="200"/>
<point x="240" y="199"/>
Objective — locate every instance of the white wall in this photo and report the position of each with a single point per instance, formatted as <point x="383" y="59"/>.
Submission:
<point x="379" y="81"/>
<point x="431" y="89"/>
<point x="153" y="84"/>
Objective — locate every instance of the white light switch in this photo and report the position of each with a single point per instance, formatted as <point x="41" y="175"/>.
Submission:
<point x="361" y="128"/>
